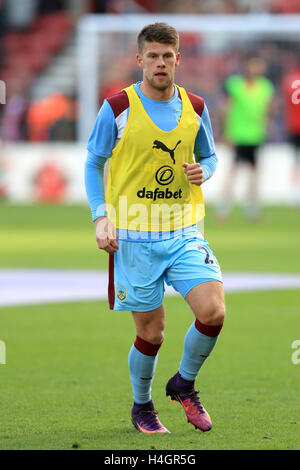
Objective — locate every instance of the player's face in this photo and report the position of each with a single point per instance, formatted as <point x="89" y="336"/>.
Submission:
<point x="255" y="67"/>
<point x="158" y="62"/>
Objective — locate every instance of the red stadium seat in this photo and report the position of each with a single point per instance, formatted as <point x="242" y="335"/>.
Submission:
<point x="27" y="53"/>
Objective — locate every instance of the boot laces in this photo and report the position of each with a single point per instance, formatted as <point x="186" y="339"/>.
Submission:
<point x="193" y="396"/>
<point x="150" y="418"/>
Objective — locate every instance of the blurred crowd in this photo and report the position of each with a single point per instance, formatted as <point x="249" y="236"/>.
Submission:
<point x="204" y="71"/>
<point x="196" y="6"/>
<point x="33" y="32"/>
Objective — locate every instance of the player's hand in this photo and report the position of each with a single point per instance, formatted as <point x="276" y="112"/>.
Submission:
<point x="106" y="235"/>
<point x="194" y="173"/>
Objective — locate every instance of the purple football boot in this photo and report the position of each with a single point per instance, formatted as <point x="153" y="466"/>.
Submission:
<point x="183" y="391"/>
<point x="145" y="419"/>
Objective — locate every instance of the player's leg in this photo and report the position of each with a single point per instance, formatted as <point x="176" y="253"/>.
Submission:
<point x="204" y="294"/>
<point x="138" y="287"/>
<point x="224" y="206"/>
<point x="207" y="303"/>
<point x="142" y="361"/>
<point x="150" y="325"/>
<point x="143" y="354"/>
<point x="252" y="209"/>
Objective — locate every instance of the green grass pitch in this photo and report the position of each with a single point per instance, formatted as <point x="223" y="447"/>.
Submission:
<point x="66" y="382"/>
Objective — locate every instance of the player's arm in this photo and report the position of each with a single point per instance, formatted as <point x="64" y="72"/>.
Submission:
<point x="206" y="159"/>
<point x="228" y="95"/>
<point x="106" y="233"/>
<point x="100" y="146"/>
<point x="274" y="105"/>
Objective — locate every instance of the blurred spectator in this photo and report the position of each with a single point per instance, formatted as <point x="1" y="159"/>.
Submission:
<point x="42" y="115"/>
<point x="291" y="99"/>
<point x="207" y="59"/>
<point x="228" y="6"/>
<point x="116" y="78"/>
<point x="28" y="46"/>
<point x="246" y="129"/>
<point x="14" y="112"/>
<point x="65" y="127"/>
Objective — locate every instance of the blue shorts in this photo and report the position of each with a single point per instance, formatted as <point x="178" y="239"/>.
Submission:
<point x="137" y="271"/>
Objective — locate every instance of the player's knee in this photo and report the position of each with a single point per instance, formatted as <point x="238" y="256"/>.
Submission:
<point x="153" y="332"/>
<point x="215" y="315"/>
<point x="155" y="337"/>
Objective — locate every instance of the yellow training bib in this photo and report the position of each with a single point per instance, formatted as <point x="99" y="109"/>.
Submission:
<point x="147" y="189"/>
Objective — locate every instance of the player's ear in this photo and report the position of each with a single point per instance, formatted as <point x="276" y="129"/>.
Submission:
<point x="139" y="61"/>
<point x="178" y="57"/>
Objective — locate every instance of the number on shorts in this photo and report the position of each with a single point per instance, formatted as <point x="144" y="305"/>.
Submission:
<point x="209" y="259"/>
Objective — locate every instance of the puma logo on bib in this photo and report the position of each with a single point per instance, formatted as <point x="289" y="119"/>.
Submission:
<point x="157" y="144"/>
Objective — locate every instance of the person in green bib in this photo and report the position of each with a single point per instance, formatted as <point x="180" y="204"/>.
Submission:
<point x="246" y="129"/>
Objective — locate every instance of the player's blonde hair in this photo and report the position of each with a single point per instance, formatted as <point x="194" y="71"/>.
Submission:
<point x="158" y="32"/>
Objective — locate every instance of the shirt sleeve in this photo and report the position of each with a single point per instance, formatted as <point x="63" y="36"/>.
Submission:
<point x="209" y="165"/>
<point x="104" y="133"/>
<point x="204" y="144"/>
<point x="94" y="184"/>
<point x="205" y="147"/>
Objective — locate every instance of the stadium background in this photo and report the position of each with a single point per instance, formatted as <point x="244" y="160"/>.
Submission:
<point x="66" y="355"/>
